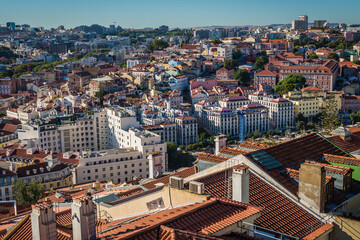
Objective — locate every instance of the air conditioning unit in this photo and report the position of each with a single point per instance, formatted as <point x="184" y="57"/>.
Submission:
<point x="176" y="182"/>
<point x="196" y="187"/>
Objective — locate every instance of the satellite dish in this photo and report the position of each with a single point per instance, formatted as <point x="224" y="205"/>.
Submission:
<point x="156" y="173"/>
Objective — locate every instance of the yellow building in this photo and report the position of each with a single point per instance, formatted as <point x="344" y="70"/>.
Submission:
<point x="311" y="100"/>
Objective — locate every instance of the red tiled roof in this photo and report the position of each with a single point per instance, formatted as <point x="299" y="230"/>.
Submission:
<point x="210" y="217"/>
<point x="253" y="145"/>
<point x="265" y="73"/>
<point x="312" y="89"/>
<point x="232" y="151"/>
<point x="349" y="145"/>
<point x="294" y="152"/>
<point x="279" y="212"/>
<point x="342" y="160"/>
<point x="332" y="169"/>
<point x="211" y="158"/>
<point x="318" y="232"/>
<point x="294" y="174"/>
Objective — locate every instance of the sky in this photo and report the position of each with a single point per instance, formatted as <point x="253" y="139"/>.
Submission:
<point x="180" y="13"/>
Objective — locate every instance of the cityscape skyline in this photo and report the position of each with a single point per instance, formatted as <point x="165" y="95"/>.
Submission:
<point x="156" y="13"/>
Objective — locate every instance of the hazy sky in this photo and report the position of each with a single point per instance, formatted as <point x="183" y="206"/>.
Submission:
<point x="180" y="13"/>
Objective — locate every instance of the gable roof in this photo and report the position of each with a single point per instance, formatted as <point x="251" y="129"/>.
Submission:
<point x="279" y="212"/>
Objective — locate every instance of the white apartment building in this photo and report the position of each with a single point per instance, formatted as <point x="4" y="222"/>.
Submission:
<point x="281" y="112"/>
<point x="116" y="165"/>
<point x="179" y="83"/>
<point x="167" y="131"/>
<point x="68" y="133"/>
<point x="187" y="130"/>
<point x="124" y="132"/>
<point x="256" y="117"/>
<point x="234" y="103"/>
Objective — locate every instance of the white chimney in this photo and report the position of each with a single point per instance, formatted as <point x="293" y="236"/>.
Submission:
<point x="83" y="218"/>
<point x="220" y="142"/>
<point x="240" y="184"/>
<point x="43" y="223"/>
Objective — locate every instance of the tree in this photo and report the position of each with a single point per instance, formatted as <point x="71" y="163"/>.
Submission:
<point x="257" y="134"/>
<point x="333" y="56"/>
<point x="178" y="159"/>
<point x="152" y="58"/>
<point x="243" y="77"/>
<point x="311" y="125"/>
<point x="288" y="84"/>
<point x="301" y="117"/>
<point x="313" y="56"/>
<point x="355" y="117"/>
<point x="100" y="96"/>
<point x="356" y="62"/>
<point x="329" y="115"/>
<point x="30" y="193"/>
<point x="300" y="125"/>
<point x="216" y="41"/>
<point x="261" y="62"/>
<point x="158" y="44"/>
<point x="231" y="63"/>
<point x="237" y="54"/>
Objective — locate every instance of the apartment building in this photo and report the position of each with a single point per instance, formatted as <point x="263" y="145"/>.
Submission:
<point x="234" y="103"/>
<point x="265" y="77"/>
<point x="106" y="84"/>
<point x="7" y="180"/>
<point x="8" y="86"/>
<point x="68" y="133"/>
<point x="186" y="130"/>
<point x="225" y="73"/>
<point x="256" y="117"/>
<point x="318" y="75"/>
<point x="167" y="131"/>
<point x="124" y="132"/>
<point x="281" y="111"/>
<point x="116" y="165"/>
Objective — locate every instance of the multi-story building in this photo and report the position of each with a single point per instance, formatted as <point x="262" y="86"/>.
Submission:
<point x="175" y="98"/>
<point x="116" y="165"/>
<point x="167" y="131"/>
<point x="180" y="83"/>
<point x="68" y="133"/>
<point x="320" y="75"/>
<point x="265" y="77"/>
<point x="301" y="23"/>
<point x="275" y="46"/>
<point x="281" y="112"/>
<point x="124" y="132"/>
<point x="234" y="103"/>
<point x="186" y="130"/>
<point x="7" y="86"/>
<point x="7" y="180"/>
<point x="225" y="73"/>
<point x="256" y="117"/>
<point x="106" y="84"/>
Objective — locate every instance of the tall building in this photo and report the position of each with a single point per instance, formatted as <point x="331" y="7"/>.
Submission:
<point x="10" y="25"/>
<point x="301" y="23"/>
<point x="319" y="23"/>
<point x="164" y="28"/>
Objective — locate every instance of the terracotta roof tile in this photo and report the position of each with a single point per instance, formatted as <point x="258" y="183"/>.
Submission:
<point x="342" y="160"/>
<point x="332" y="169"/>
<point x="252" y="145"/>
<point x="211" y="158"/>
<point x="279" y="212"/>
<point x="232" y="151"/>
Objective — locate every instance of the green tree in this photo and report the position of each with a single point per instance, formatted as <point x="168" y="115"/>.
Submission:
<point x="212" y="140"/>
<point x="243" y="77"/>
<point x="330" y="119"/>
<point x="237" y="54"/>
<point x="356" y="62"/>
<point x="158" y="44"/>
<point x="178" y="159"/>
<point x="256" y="134"/>
<point x="261" y="62"/>
<point x="100" y="96"/>
<point x="313" y="56"/>
<point x="333" y="56"/>
<point x="311" y="125"/>
<point x="300" y="125"/>
<point x="231" y="63"/>
<point x="30" y="193"/>
<point x="216" y="41"/>
<point x="355" y="117"/>
<point x="288" y="84"/>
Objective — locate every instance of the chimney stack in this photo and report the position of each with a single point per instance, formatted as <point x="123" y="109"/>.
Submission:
<point x="220" y="142"/>
<point x="43" y="223"/>
<point x="240" y="183"/>
<point x="312" y="185"/>
<point x="83" y="218"/>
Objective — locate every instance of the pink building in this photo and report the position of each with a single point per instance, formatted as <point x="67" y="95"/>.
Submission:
<point x="225" y="73"/>
<point x="351" y="104"/>
<point x="265" y="77"/>
<point x="206" y="83"/>
<point x="7" y="86"/>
